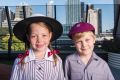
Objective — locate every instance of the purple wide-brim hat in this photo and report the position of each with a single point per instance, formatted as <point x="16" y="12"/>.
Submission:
<point x="80" y="27"/>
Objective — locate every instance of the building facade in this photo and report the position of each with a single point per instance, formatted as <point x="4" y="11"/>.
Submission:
<point x="50" y="9"/>
<point x="2" y="15"/>
<point x="18" y="15"/>
<point x="94" y="18"/>
<point x="74" y="13"/>
<point x="4" y="22"/>
<point x="19" y="12"/>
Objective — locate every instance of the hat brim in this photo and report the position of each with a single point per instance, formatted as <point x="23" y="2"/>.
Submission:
<point x="19" y="29"/>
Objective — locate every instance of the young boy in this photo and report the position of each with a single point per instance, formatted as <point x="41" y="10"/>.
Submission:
<point x="84" y="64"/>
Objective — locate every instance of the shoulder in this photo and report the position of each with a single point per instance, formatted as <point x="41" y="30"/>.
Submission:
<point x="16" y="61"/>
<point x="15" y="65"/>
<point x="101" y="61"/>
<point x="72" y="57"/>
<point x="59" y="58"/>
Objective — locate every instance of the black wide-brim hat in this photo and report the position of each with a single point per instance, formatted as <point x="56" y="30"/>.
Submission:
<point x="20" y="28"/>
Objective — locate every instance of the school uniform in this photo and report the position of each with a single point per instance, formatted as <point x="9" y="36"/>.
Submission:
<point x="34" y="69"/>
<point x="96" y="69"/>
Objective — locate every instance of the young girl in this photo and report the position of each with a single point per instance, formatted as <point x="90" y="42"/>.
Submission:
<point x="40" y="61"/>
<point x="85" y="64"/>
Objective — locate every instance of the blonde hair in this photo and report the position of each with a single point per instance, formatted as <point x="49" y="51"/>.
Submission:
<point x="54" y="56"/>
<point x="81" y="34"/>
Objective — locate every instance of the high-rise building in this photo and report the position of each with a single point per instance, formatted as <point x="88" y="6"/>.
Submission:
<point x="3" y="18"/>
<point x="2" y="15"/>
<point x="94" y="18"/>
<point x="74" y="12"/>
<point x="82" y="12"/>
<point x="116" y="30"/>
<point x="11" y="14"/>
<point x="19" y="12"/>
<point x="50" y="9"/>
<point x="18" y="15"/>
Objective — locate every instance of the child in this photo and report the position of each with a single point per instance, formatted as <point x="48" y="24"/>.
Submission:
<point x="85" y="64"/>
<point x="40" y="61"/>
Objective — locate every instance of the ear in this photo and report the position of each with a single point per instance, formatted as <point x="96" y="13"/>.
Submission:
<point x="50" y="35"/>
<point x="94" y="39"/>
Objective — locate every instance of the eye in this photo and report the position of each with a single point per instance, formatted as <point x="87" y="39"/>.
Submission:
<point x="78" y="42"/>
<point x="33" y="36"/>
<point x="44" y="35"/>
<point x="87" y="40"/>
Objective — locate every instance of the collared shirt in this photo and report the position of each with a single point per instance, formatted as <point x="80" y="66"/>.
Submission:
<point x="34" y="69"/>
<point x="96" y="69"/>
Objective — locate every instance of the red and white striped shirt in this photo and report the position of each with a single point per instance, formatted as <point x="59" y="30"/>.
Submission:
<point x="34" y="69"/>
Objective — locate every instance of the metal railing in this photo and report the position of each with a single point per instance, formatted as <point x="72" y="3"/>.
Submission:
<point x="114" y="60"/>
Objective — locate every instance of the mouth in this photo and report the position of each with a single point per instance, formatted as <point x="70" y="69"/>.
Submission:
<point x="83" y="49"/>
<point x="39" y="45"/>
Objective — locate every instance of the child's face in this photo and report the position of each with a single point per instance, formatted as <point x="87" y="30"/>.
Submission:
<point x="84" y="42"/>
<point x="39" y="37"/>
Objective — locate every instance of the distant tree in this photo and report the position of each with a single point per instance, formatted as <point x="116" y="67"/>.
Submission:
<point x="3" y="30"/>
<point x="17" y="45"/>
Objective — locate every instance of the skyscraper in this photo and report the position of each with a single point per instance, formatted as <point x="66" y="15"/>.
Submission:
<point x="73" y="12"/>
<point x="2" y="15"/>
<point x="94" y="18"/>
<point x="3" y="18"/>
<point x="50" y="9"/>
<point x="19" y="12"/>
<point x="116" y="20"/>
<point x="18" y="15"/>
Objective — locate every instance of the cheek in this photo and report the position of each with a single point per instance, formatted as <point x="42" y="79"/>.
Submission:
<point x="78" y="46"/>
<point x="93" y="42"/>
<point x="47" y="41"/>
<point x="32" y="41"/>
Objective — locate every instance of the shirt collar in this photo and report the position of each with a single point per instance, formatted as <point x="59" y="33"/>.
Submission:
<point x="31" y="56"/>
<point x="95" y="57"/>
<point x="77" y="58"/>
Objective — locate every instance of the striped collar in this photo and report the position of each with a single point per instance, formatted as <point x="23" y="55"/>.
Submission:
<point x="31" y="56"/>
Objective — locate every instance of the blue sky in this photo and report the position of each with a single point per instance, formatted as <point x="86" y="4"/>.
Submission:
<point x="43" y="2"/>
<point x="105" y="5"/>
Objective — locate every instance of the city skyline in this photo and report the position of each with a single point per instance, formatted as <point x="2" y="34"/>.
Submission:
<point x="56" y="2"/>
<point x="107" y="10"/>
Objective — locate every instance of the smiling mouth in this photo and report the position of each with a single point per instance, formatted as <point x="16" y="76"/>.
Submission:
<point x="83" y="48"/>
<point x="39" y="46"/>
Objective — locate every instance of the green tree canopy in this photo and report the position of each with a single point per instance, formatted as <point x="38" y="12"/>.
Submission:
<point x="17" y="45"/>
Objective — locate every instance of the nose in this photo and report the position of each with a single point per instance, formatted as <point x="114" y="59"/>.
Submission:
<point x="39" y="39"/>
<point x="83" y="44"/>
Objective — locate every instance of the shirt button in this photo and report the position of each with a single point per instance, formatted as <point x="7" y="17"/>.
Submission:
<point x="39" y="68"/>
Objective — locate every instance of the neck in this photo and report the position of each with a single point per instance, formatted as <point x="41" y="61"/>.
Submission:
<point x="85" y="58"/>
<point x="39" y="55"/>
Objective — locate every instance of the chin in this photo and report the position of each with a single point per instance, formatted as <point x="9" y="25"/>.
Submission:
<point x="85" y="52"/>
<point x="38" y="49"/>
